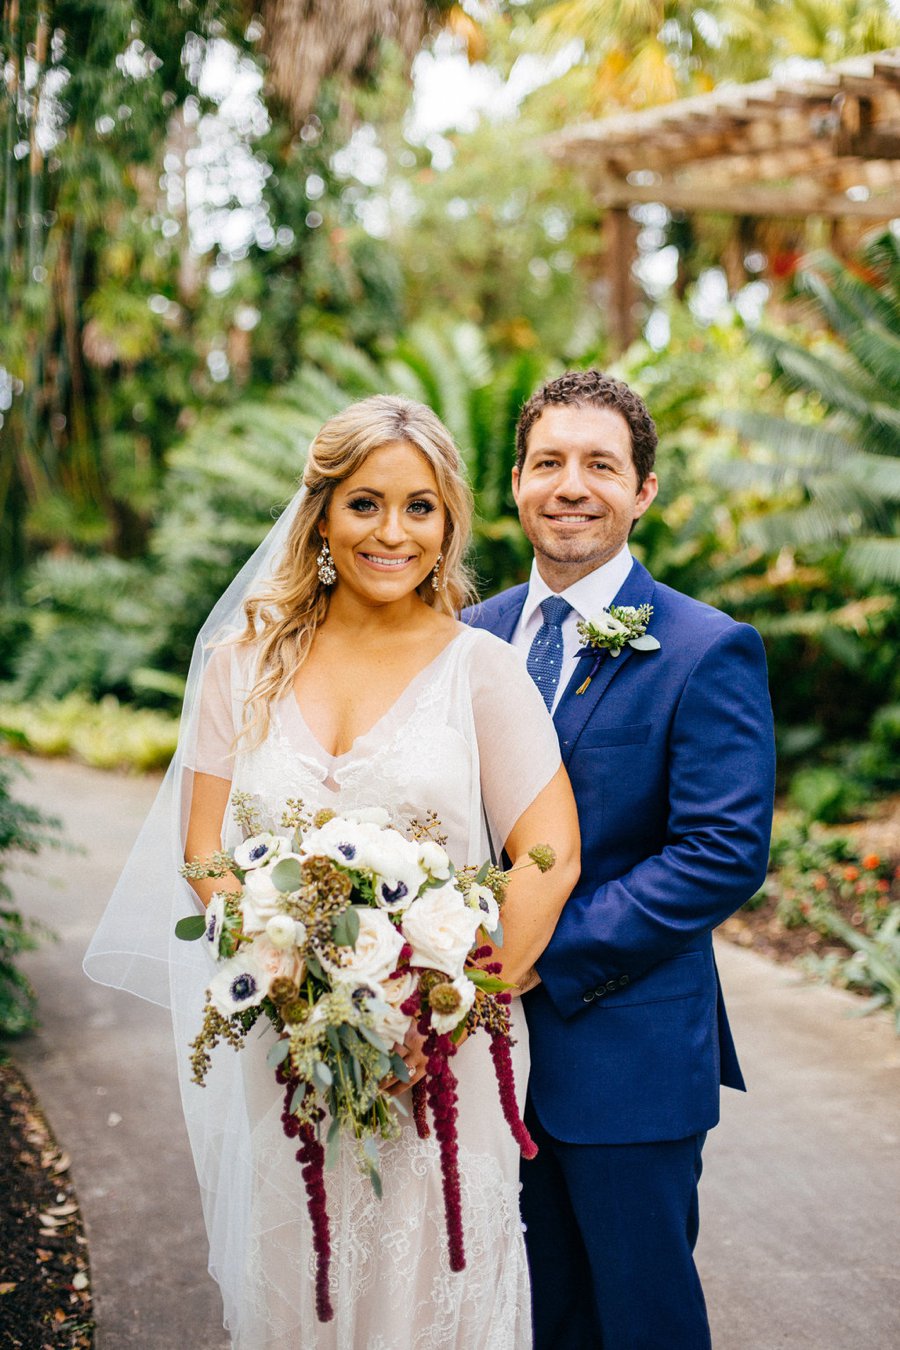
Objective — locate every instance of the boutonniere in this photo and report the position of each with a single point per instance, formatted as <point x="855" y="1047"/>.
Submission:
<point x="616" y="627"/>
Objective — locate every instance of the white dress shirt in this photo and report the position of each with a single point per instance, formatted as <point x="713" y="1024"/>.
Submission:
<point x="587" y="597"/>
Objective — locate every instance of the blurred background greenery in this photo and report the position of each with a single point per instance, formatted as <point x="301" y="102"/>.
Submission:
<point x="219" y="225"/>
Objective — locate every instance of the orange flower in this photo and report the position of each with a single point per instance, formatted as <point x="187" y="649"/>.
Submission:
<point x="820" y="883"/>
<point x="883" y="886"/>
<point x="871" y="861"/>
<point x="851" y="873"/>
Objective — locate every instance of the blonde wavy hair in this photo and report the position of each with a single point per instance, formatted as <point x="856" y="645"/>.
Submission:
<point x="282" y="618"/>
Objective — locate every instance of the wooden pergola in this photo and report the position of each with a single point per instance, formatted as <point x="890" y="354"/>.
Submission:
<point x="826" y="145"/>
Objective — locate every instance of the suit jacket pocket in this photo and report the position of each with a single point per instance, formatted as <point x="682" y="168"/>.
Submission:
<point x="681" y="976"/>
<point x="628" y="733"/>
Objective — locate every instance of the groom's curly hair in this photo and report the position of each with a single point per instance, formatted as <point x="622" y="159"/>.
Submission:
<point x="593" y="389"/>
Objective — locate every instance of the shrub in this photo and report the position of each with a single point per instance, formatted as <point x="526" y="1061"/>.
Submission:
<point x="23" y="829"/>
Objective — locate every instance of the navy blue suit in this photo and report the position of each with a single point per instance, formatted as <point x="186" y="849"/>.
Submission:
<point x="671" y="757"/>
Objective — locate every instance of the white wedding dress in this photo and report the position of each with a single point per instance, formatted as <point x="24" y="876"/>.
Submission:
<point x="469" y="738"/>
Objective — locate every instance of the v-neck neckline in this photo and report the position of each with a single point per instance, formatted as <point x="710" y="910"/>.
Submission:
<point x="363" y="735"/>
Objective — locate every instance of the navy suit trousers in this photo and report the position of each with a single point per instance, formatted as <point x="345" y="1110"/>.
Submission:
<point x="610" y="1231"/>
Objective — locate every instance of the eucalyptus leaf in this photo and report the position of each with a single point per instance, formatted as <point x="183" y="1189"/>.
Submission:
<point x="382" y="1066"/>
<point x="191" y="928"/>
<point x="332" y="1148"/>
<point x="322" y="1074"/>
<point x="497" y="935"/>
<point x="298" y="1098"/>
<point x="340" y="930"/>
<point x="645" y="643"/>
<point x="286" y="875"/>
<point x="375" y="1178"/>
<point x="333" y="1040"/>
<point x="278" y="1053"/>
<point x="481" y="874"/>
<point x="314" y="967"/>
<point x="370" y="1149"/>
<point x="399" y="1069"/>
<point x="373" y="1038"/>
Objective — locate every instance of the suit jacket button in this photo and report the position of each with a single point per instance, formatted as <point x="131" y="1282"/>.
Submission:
<point x="588" y="997"/>
<point x="623" y="981"/>
<point x="612" y="986"/>
<point x="599" y="991"/>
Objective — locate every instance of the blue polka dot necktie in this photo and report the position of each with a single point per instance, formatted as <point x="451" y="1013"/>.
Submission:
<point x="545" y="656"/>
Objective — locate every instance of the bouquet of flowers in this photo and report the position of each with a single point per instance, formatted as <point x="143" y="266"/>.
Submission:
<point x="346" y="933"/>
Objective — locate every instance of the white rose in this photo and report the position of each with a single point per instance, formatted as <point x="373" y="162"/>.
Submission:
<point x="283" y="932"/>
<point x="259" y="903"/>
<point x="370" y="815"/>
<point x="441" y="928"/>
<point x="257" y="850"/>
<point x="483" y="901"/>
<point x="443" y="1023"/>
<point x="278" y="962"/>
<point x="434" y="859"/>
<point x="240" y="983"/>
<point x="374" y="955"/>
<point x="389" y="1022"/>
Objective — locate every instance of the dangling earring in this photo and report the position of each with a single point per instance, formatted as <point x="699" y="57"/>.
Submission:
<point x="436" y="573"/>
<point x="327" y="569"/>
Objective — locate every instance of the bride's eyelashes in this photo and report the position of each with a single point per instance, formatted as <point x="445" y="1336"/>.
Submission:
<point x="365" y="505"/>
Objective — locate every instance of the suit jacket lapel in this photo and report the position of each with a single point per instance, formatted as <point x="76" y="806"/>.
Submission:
<point x="504" y="624"/>
<point x="573" y="710"/>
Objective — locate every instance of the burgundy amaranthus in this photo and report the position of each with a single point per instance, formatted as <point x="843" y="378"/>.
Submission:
<point x="311" y="1156"/>
<point x="503" y="1067"/>
<point x="420" y="1100"/>
<point x="442" y="1098"/>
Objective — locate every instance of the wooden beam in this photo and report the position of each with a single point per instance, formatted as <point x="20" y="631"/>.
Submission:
<point x="620" y="235"/>
<point x="793" y="202"/>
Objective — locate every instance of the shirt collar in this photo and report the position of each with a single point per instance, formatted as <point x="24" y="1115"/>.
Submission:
<point x="588" y="596"/>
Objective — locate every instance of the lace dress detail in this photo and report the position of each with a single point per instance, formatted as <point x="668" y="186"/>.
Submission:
<point x="391" y="1284"/>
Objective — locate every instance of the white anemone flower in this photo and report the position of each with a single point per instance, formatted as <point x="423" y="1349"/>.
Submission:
<point x="240" y="983"/>
<point x="258" y="850"/>
<point x="482" y="899"/>
<point x="608" y="626"/>
<point x="215" y="921"/>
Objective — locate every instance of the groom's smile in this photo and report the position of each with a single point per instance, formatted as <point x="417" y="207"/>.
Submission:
<point x="577" y="490"/>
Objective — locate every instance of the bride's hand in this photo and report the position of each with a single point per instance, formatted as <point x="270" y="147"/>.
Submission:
<point x="412" y="1054"/>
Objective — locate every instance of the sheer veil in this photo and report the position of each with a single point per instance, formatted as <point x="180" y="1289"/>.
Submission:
<point x="134" y="947"/>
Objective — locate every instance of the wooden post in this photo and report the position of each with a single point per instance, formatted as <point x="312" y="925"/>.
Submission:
<point x="620" y="233"/>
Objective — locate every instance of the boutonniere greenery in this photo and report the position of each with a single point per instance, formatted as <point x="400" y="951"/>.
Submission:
<point x="616" y="627"/>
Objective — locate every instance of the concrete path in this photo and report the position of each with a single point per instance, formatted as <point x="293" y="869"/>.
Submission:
<point x="800" y="1197"/>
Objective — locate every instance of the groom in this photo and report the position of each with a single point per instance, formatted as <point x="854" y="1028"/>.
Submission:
<point x="670" y="752"/>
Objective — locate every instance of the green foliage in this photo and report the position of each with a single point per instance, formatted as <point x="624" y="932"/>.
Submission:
<point x="819" y="879"/>
<point x="824" y="794"/>
<point x="104" y="734"/>
<point x="23" y="829"/>
<point x="837" y="472"/>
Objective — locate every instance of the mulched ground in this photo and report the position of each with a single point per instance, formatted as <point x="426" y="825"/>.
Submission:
<point x="45" y="1300"/>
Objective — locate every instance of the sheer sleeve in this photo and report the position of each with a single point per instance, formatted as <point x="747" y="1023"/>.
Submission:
<point x="517" y="745"/>
<point x="210" y="748"/>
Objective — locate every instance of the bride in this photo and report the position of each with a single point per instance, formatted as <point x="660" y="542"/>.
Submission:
<point x="335" y="671"/>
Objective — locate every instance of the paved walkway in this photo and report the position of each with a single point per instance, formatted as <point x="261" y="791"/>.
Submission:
<point x="799" y="1244"/>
